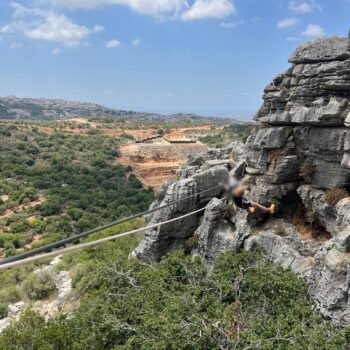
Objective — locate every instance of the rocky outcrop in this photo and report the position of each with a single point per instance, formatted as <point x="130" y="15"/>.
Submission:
<point x="205" y="177"/>
<point x="303" y="136"/>
<point x="50" y="308"/>
<point x="299" y="149"/>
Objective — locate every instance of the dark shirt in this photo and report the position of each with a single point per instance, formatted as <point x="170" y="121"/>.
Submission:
<point x="242" y="202"/>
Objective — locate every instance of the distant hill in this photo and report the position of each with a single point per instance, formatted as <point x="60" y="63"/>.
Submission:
<point x="12" y="107"/>
<point x="46" y="109"/>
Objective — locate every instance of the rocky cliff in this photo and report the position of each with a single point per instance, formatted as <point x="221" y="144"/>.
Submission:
<point x="299" y="157"/>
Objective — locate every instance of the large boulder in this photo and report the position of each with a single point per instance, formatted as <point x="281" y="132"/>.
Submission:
<point x="162" y="239"/>
<point x="322" y="50"/>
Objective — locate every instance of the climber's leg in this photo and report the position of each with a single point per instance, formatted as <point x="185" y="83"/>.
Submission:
<point x="256" y="205"/>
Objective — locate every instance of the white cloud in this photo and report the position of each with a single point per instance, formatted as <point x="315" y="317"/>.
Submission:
<point x="208" y="9"/>
<point x="113" y="43"/>
<point x="58" y="28"/>
<point x="313" y="30"/>
<point x="98" y="28"/>
<point x="15" y="45"/>
<point x="43" y="25"/>
<point x="136" y="42"/>
<point x="20" y="11"/>
<point x="55" y="51"/>
<point x="6" y="29"/>
<point x="196" y="9"/>
<point x="229" y="25"/>
<point x="303" y="6"/>
<point x="293" y="38"/>
<point x="147" y="7"/>
<point x="288" y="22"/>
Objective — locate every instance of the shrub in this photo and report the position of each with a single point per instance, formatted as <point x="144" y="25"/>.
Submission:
<point x="4" y="238"/>
<point x="307" y="171"/>
<point x="3" y="309"/>
<point x="176" y="304"/>
<point x="192" y="242"/>
<point x="39" y="285"/>
<point x="264" y="125"/>
<point x="335" y="195"/>
<point x="10" y="294"/>
<point x="127" y="136"/>
<point x="9" y="249"/>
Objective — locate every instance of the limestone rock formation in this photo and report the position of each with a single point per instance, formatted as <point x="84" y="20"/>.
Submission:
<point x="299" y="150"/>
<point x="205" y="176"/>
<point x="163" y="239"/>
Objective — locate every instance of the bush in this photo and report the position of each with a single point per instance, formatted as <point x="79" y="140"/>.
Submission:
<point x="39" y="285"/>
<point x="4" y="238"/>
<point x="335" y="195"/>
<point x="264" y="125"/>
<point x="9" y="249"/>
<point x="3" y="309"/>
<point x="176" y="304"/>
<point x="10" y="294"/>
<point x="127" y="136"/>
<point x="192" y="242"/>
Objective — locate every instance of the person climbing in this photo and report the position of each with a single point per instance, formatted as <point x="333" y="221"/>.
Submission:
<point x="236" y="190"/>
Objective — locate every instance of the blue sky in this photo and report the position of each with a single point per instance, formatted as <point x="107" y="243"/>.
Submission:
<point x="202" y="56"/>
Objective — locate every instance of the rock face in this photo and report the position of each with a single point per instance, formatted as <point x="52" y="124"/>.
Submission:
<point x="161" y="240"/>
<point x="299" y="150"/>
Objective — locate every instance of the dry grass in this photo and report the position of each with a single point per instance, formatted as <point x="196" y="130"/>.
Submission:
<point x="307" y="171"/>
<point x="265" y="125"/>
<point x="306" y="230"/>
<point x="233" y="315"/>
<point x="230" y="211"/>
<point x="335" y="195"/>
<point x="280" y="230"/>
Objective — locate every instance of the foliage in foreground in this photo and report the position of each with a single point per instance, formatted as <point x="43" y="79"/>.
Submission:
<point x="246" y="303"/>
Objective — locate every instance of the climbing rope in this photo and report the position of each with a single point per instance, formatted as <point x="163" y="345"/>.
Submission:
<point x="62" y="242"/>
<point x="29" y="260"/>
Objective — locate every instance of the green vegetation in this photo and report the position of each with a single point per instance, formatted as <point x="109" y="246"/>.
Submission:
<point x="246" y="303"/>
<point x="61" y="184"/>
<point x="39" y="285"/>
<point x="235" y="132"/>
<point x="23" y="283"/>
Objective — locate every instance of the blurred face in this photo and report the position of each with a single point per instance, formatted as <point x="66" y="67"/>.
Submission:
<point x="238" y="191"/>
